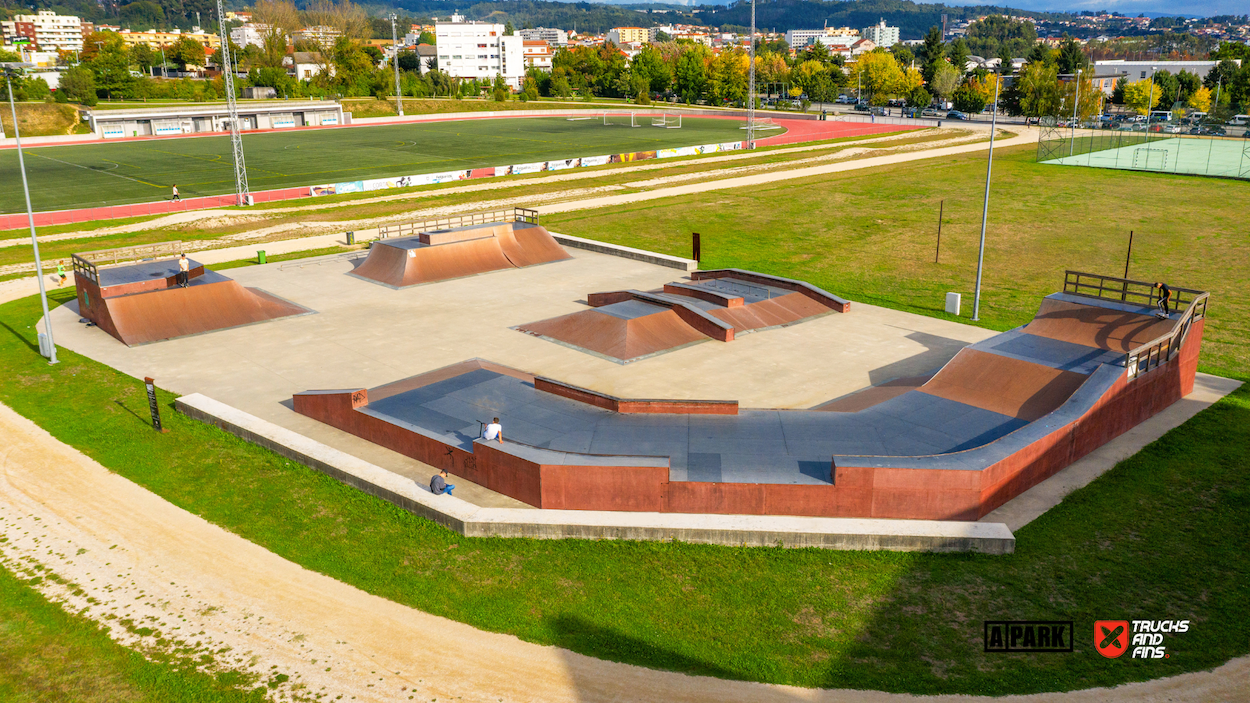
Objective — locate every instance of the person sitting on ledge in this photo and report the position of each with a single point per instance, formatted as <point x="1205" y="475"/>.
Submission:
<point x="439" y="485"/>
<point x="493" y="432"/>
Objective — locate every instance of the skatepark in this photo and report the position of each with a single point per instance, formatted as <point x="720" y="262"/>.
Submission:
<point x="747" y="394"/>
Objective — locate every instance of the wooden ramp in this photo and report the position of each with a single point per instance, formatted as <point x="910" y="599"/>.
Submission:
<point x="441" y="255"/>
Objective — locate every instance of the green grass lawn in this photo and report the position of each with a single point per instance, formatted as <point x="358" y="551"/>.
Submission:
<point x="871" y="235"/>
<point x="47" y="654"/>
<point x="92" y="175"/>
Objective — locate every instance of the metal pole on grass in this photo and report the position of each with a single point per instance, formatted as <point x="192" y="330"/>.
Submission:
<point x="1076" y="103"/>
<point x="985" y="211"/>
<point x="938" y="251"/>
<point x="399" y="97"/>
<point x="30" y="215"/>
<point x="1127" y="257"/>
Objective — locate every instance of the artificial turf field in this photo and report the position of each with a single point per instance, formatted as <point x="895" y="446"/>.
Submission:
<point x="91" y="175"/>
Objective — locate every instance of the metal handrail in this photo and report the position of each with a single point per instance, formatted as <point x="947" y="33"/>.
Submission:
<point x="407" y="229"/>
<point x="85" y="268"/>
<point x="1113" y="288"/>
<point x="138" y="251"/>
<point x="1153" y="354"/>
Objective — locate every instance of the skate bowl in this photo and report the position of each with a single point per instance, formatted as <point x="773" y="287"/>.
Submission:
<point x="443" y="254"/>
<point x="142" y="302"/>
<point x="999" y="417"/>
<point x="629" y="325"/>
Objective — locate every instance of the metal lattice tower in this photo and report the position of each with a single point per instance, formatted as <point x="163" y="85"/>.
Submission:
<point x="236" y="140"/>
<point x="750" y="84"/>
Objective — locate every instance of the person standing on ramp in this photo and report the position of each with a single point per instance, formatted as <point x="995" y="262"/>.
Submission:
<point x="184" y="270"/>
<point x="1165" y="296"/>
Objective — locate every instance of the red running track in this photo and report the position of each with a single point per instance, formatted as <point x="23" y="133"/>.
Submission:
<point x="797" y="131"/>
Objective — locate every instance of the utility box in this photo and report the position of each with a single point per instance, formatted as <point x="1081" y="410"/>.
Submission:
<point x="45" y="346"/>
<point x="952" y="303"/>
<point x="351" y="238"/>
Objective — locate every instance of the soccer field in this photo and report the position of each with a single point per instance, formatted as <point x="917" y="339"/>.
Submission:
<point x="1201" y="156"/>
<point x="63" y="177"/>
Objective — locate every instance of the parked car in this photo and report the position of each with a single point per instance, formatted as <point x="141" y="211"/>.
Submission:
<point x="957" y="115"/>
<point x="897" y="102"/>
<point x="1214" y="130"/>
<point x="843" y="99"/>
<point x="1173" y="129"/>
<point x="930" y="112"/>
<point x="861" y="107"/>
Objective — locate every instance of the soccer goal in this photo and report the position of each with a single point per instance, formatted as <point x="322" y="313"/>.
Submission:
<point x="1150" y="159"/>
<point x="763" y="123"/>
<point x="587" y="117"/>
<point x="666" y="121"/>
<point x="619" y="119"/>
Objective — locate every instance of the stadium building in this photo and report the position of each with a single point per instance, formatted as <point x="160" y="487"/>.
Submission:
<point x="166" y="121"/>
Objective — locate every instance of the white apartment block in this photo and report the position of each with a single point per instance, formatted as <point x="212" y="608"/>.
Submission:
<point x="882" y="35"/>
<point x="249" y="34"/>
<point x="537" y="54"/>
<point x="553" y="37"/>
<point x="799" y="38"/>
<point x="479" y="50"/>
<point x="52" y="31"/>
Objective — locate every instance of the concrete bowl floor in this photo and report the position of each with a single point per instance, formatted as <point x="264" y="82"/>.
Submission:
<point x="365" y="335"/>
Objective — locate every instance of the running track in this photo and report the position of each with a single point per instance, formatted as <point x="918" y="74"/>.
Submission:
<point x="797" y="131"/>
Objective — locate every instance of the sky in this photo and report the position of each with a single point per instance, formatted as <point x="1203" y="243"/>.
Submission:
<point x="1202" y="8"/>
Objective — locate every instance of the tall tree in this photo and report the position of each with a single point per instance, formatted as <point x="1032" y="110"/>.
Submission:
<point x="1141" y="96"/>
<point x="1039" y="90"/>
<point x="1072" y="57"/>
<point x="958" y="53"/>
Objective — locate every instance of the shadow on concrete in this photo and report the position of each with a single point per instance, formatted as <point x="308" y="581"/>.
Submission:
<point x="938" y="351"/>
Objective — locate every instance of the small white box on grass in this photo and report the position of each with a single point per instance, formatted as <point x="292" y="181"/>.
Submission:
<point x="952" y="303"/>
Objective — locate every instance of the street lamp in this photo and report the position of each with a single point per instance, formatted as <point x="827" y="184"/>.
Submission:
<point x="399" y="97"/>
<point x="9" y="68"/>
<point x="985" y="209"/>
<point x="1075" y="104"/>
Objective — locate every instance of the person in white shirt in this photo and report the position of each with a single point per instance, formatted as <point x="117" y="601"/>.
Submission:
<point x="493" y="432"/>
<point x="184" y="269"/>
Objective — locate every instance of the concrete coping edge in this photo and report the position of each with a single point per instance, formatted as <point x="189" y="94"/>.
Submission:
<point x="650" y="257"/>
<point x="728" y="530"/>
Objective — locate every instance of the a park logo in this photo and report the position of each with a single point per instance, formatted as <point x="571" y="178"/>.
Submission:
<point x="1028" y="635"/>
<point x="1111" y="637"/>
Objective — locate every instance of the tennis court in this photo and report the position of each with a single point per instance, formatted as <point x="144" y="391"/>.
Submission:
<point x="1204" y="156"/>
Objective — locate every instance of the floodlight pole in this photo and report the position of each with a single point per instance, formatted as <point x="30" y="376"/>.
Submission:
<point x="1150" y="102"/>
<point x="399" y="97"/>
<point x="1076" y="103"/>
<point x="985" y="209"/>
<point x="242" y="192"/>
<point x="751" y="85"/>
<point x="30" y="216"/>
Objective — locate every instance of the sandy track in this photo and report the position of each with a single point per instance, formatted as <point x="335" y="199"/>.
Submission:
<point x="134" y="557"/>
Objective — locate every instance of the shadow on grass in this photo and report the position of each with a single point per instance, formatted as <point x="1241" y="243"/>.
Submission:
<point x="24" y="339"/>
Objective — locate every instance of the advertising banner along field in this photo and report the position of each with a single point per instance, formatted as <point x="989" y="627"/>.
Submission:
<point x="422" y="179"/>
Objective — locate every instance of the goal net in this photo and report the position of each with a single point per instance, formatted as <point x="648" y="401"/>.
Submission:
<point x="762" y="123"/>
<point x="620" y="119"/>
<point x="668" y="121"/>
<point x="1150" y="159"/>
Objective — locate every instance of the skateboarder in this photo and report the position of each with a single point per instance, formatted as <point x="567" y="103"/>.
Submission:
<point x="1165" y="295"/>
<point x="184" y="270"/>
<point x="439" y="485"/>
<point x="493" y="432"/>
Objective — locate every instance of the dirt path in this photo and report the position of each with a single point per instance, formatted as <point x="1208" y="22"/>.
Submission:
<point x="150" y="570"/>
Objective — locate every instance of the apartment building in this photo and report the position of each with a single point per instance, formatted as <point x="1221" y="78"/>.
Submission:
<point x="882" y="35"/>
<point x="479" y="50"/>
<point x="629" y="35"/>
<point x="553" y="37"/>
<point x="537" y="54"/>
<point x="47" y="30"/>
<point x="829" y="36"/>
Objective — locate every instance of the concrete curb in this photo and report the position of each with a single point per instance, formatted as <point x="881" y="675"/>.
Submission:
<point x="729" y="530"/>
<point x="649" y="257"/>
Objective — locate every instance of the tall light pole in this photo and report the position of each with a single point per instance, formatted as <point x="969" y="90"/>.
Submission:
<point x="751" y="85"/>
<point x="1076" y="102"/>
<point x="985" y="210"/>
<point x="164" y="71"/>
<point x="30" y="215"/>
<point x="1150" y="102"/>
<point x="399" y="97"/>
<point x="243" y="194"/>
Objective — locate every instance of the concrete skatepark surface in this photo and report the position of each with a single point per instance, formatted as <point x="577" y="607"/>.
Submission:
<point x="372" y="335"/>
